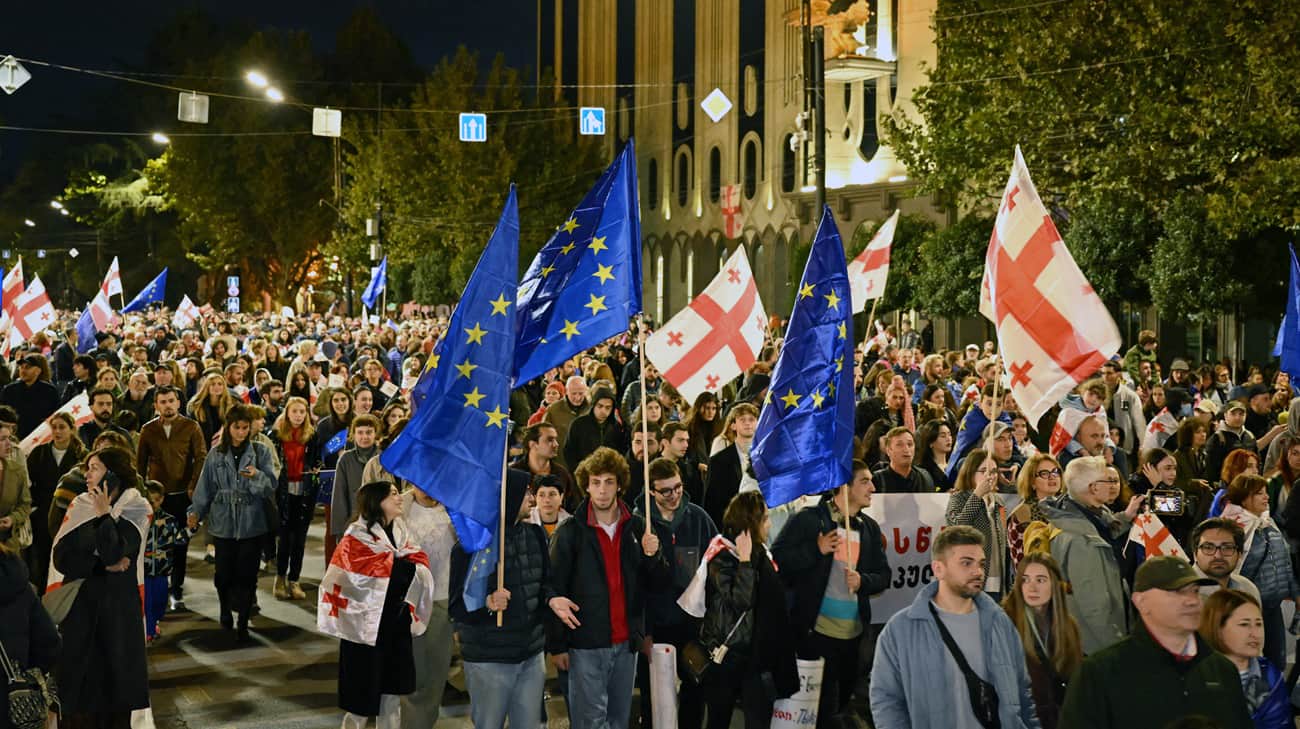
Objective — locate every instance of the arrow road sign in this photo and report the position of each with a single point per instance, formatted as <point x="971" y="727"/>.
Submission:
<point x="473" y="127"/>
<point x="591" y="121"/>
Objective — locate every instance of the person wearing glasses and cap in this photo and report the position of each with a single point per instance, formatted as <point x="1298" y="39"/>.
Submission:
<point x="1180" y="674"/>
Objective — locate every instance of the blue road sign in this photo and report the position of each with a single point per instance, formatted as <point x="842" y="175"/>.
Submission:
<point x="232" y="304"/>
<point x="591" y="120"/>
<point x="473" y="127"/>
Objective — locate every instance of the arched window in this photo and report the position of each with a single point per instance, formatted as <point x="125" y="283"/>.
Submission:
<point x="789" y="163"/>
<point x="683" y="177"/>
<point x="750" y="163"/>
<point x="652" y="184"/>
<point x="715" y="175"/>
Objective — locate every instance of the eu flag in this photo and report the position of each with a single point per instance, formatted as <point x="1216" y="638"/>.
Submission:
<point x="151" y="294"/>
<point x="585" y="283"/>
<point x="85" y="332"/>
<point x="453" y="446"/>
<point x="378" y="282"/>
<point x="336" y="443"/>
<point x="1288" y="335"/>
<point x="804" y="441"/>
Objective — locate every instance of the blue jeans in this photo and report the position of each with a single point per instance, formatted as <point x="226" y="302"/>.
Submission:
<point x="600" y="686"/>
<point x="500" y="690"/>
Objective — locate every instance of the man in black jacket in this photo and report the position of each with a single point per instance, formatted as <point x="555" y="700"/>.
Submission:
<point x="601" y="560"/>
<point x="727" y="467"/>
<point x="34" y="398"/>
<point x="689" y="531"/>
<point x="504" y="670"/>
<point x="831" y="603"/>
<point x="83" y="377"/>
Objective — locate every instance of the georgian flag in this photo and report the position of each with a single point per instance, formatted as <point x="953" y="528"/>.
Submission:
<point x="101" y="311"/>
<point x="131" y="506"/>
<point x="1159" y="429"/>
<point x="1053" y="330"/>
<point x="112" y="285"/>
<point x="692" y="598"/>
<point x="186" y="313"/>
<point x="869" y="272"/>
<point x="356" y="581"/>
<point x="78" y="407"/>
<point x="716" y="337"/>
<point x="1067" y="424"/>
<point x="1153" y="536"/>
<point x="34" y="312"/>
<point x="9" y="292"/>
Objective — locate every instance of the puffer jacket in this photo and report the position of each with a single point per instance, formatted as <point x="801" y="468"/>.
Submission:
<point x="1099" y="597"/>
<point x="523" y="631"/>
<point x="1275" y="711"/>
<point x="236" y="506"/>
<point x="1268" y="565"/>
<point x="751" y="589"/>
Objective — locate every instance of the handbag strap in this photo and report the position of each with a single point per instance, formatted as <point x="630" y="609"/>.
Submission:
<point x="11" y="671"/>
<point x="735" y="627"/>
<point x="957" y="655"/>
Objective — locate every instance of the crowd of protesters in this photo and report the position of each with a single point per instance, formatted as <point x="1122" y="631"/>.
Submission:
<point x="236" y="432"/>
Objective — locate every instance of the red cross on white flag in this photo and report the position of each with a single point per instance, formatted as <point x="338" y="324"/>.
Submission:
<point x="186" y="313"/>
<point x="716" y="337"/>
<point x="78" y="407"/>
<point x="101" y="311"/>
<point x="9" y="292"/>
<point x="1052" y="331"/>
<point x="733" y="220"/>
<point x="34" y="313"/>
<point x="112" y="285"/>
<point x="870" y="270"/>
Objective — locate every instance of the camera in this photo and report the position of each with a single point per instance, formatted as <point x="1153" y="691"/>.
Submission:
<point x="1166" y="502"/>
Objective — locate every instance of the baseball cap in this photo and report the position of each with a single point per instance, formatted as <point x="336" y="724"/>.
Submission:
<point x="1179" y="364"/>
<point x="1234" y="405"/>
<point x="1256" y="390"/>
<point x="975" y="347"/>
<point x="1167" y="573"/>
<point x="1208" y="406"/>
<point x="32" y="360"/>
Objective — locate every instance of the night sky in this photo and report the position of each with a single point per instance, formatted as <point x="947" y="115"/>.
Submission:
<point x="113" y="36"/>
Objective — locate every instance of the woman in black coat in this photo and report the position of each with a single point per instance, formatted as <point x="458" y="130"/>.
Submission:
<point x="26" y="631"/>
<point x="102" y="672"/>
<point x="46" y="464"/>
<point x="744" y="599"/>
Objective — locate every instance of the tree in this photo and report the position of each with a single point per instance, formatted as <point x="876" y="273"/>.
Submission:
<point x="1133" y="106"/>
<point x="440" y="197"/>
<point x="948" y="284"/>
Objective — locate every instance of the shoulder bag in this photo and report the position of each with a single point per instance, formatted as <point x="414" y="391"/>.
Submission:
<point x="27" y="694"/>
<point x="983" y="697"/>
<point x="695" y="660"/>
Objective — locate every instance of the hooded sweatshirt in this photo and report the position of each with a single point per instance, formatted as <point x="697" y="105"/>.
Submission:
<point x="692" y="529"/>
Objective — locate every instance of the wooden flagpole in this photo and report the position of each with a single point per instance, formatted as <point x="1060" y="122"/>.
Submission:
<point x="501" y="524"/>
<point x="871" y="332"/>
<point x="645" y="429"/>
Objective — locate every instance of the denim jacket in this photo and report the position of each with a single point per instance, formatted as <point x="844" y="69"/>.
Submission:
<point x="235" y="506"/>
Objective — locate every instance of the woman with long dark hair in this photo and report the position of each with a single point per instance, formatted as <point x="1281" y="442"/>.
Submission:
<point x="704" y="423"/>
<point x="934" y="441"/>
<point x="46" y="464"/>
<point x="232" y="494"/>
<point x="377" y="664"/>
<point x="96" y="575"/>
<point x="745" y="611"/>
<point x="1053" y="649"/>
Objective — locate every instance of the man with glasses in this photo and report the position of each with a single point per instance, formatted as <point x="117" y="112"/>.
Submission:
<point x="1218" y="544"/>
<point x="691" y="530"/>
<point x="1090" y="550"/>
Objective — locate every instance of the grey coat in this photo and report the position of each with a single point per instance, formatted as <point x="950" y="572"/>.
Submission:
<point x="1099" y="597"/>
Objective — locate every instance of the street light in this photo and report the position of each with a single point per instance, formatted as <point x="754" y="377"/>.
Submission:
<point x="161" y="138"/>
<point x="28" y="222"/>
<point x="274" y="94"/>
<point x="257" y="78"/>
<point x="56" y="204"/>
<point x="63" y="212"/>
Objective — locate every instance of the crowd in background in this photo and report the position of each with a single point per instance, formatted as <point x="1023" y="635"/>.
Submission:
<point x="236" y="432"/>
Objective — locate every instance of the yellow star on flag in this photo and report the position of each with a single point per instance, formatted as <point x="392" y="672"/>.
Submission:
<point x="570" y="329"/>
<point x="832" y="301"/>
<point x="546" y="270"/>
<point x="433" y="361"/>
<point x="570" y="225"/>
<point x="831" y="388"/>
<point x="604" y="273"/>
<point x="839" y="361"/>
<point x="567" y="249"/>
<point x="843" y="332"/>
<point x="817" y="399"/>
<point x="597" y="304"/>
<point x="495" y="417"/>
<point x="499" y="305"/>
<point x="790" y="398"/>
<point x="805" y="291"/>
<point x="475" y="334"/>
<point x="465" y="368"/>
<point x="473" y="398"/>
<point x="598" y="245"/>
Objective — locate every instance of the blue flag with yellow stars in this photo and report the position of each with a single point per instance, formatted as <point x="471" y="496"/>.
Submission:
<point x="453" y="446"/>
<point x="151" y="294"/>
<point x="378" y="282"/>
<point x="804" y="441"/>
<point x="585" y="283"/>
